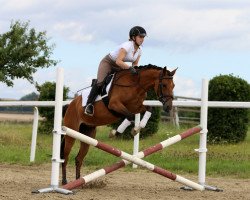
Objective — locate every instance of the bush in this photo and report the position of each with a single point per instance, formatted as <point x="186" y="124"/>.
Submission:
<point x="47" y="93"/>
<point x="151" y="127"/>
<point x="228" y="125"/>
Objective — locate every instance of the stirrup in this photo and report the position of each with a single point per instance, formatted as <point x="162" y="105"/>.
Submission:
<point x="89" y="109"/>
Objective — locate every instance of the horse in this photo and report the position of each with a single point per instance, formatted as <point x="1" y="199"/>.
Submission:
<point x="126" y="96"/>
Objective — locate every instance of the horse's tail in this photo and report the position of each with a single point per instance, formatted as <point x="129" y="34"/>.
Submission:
<point x="65" y="107"/>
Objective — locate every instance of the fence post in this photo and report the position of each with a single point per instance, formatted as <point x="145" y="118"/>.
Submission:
<point x="203" y="134"/>
<point x="57" y="132"/>
<point x="34" y="135"/>
<point x="136" y="137"/>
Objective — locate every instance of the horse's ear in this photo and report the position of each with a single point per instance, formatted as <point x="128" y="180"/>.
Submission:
<point x="173" y="72"/>
<point x="164" y="71"/>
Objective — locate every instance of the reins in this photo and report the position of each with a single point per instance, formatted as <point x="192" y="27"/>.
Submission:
<point x="163" y="98"/>
<point x="132" y="85"/>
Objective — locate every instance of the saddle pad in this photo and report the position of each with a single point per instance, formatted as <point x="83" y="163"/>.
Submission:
<point x="86" y="92"/>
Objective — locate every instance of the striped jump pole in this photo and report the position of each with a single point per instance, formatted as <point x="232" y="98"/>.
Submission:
<point x="106" y="170"/>
<point x="134" y="159"/>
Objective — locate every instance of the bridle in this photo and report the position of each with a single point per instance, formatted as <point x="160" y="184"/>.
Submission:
<point x="161" y="97"/>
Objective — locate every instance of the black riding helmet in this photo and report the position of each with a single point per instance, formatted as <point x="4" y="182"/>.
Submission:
<point x="137" y="30"/>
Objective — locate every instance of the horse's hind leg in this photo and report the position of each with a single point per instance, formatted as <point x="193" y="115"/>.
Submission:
<point x="91" y="132"/>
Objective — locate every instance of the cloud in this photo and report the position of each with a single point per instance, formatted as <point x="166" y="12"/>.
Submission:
<point x="16" y="6"/>
<point x="204" y="37"/>
<point x="78" y="35"/>
<point x="186" y="87"/>
<point x="181" y="25"/>
<point x="20" y="89"/>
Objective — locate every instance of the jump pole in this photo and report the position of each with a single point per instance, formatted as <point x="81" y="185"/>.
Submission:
<point x="136" y="160"/>
<point x="106" y="170"/>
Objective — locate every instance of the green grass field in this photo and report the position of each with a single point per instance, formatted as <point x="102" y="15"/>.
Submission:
<point x="222" y="160"/>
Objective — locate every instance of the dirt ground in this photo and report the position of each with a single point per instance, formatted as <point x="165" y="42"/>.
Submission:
<point x="17" y="182"/>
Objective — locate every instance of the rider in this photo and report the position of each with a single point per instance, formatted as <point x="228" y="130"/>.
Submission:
<point x="129" y="51"/>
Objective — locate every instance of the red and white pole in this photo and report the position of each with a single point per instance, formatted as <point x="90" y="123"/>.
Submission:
<point x="130" y="158"/>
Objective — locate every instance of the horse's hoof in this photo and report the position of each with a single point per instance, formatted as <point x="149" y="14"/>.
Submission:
<point x="112" y="133"/>
<point x="135" y="131"/>
<point x="64" y="182"/>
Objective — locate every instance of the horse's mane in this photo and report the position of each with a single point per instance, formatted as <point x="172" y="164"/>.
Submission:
<point x="149" y="66"/>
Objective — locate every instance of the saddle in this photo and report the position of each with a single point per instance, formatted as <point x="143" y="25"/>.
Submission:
<point x="104" y="90"/>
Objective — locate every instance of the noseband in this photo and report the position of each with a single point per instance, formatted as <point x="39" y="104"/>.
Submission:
<point x="163" y="98"/>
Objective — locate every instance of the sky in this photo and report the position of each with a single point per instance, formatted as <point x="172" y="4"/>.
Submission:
<point x="202" y="38"/>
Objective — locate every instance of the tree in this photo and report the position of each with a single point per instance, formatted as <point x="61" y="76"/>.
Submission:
<point x="47" y="93"/>
<point x="30" y="97"/>
<point x="22" y="52"/>
<point x="228" y="125"/>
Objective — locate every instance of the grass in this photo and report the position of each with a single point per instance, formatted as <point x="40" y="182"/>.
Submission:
<point x="222" y="160"/>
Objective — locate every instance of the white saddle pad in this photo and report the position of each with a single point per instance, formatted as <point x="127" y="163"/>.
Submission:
<point x="86" y="92"/>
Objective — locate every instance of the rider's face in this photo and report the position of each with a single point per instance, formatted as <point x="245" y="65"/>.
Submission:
<point x="139" y="39"/>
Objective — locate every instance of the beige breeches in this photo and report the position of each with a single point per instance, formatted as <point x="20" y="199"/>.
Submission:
<point x="105" y="67"/>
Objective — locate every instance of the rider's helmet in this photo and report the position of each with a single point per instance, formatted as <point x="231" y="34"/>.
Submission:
<point x="137" y="30"/>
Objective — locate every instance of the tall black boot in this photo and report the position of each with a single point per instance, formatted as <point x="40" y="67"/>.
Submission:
<point x="89" y="110"/>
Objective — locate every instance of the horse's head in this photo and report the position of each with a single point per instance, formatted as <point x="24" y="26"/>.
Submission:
<point x="164" y="88"/>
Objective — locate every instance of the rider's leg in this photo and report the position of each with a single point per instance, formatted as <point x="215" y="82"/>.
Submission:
<point x="105" y="67"/>
<point x="89" y="110"/>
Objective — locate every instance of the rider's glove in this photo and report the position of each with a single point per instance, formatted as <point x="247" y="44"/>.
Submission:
<point x="133" y="70"/>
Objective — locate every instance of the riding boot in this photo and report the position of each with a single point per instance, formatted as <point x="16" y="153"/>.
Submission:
<point x="89" y="110"/>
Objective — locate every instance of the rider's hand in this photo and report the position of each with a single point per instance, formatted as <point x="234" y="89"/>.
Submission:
<point x="133" y="70"/>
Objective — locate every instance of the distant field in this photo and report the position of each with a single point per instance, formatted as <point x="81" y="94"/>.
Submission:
<point x="16" y="117"/>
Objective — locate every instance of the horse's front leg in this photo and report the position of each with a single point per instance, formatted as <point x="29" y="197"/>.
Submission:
<point x="120" y="108"/>
<point x="143" y="122"/>
<point x="127" y="122"/>
<point x="84" y="148"/>
<point x="120" y="128"/>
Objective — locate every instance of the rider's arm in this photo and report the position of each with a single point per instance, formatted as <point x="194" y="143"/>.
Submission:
<point x="136" y="62"/>
<point x="119" y="61"/>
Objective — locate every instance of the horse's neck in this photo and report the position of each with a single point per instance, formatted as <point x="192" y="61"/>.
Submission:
<point x="149" y="77"/>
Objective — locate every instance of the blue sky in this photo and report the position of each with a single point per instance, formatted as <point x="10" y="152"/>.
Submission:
<point x="202" y="38"/>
